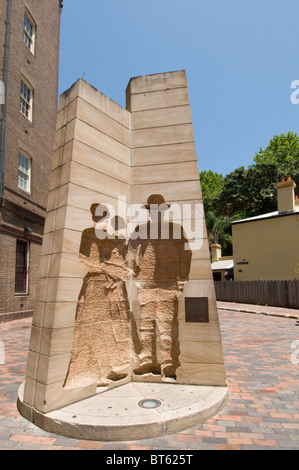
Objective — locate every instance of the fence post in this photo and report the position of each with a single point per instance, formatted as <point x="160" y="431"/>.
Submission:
<point x="287" y="296"/>
<point x="2" y="353"/>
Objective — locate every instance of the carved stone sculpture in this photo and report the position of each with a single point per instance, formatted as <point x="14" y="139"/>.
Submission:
<point x="130" y="298"/>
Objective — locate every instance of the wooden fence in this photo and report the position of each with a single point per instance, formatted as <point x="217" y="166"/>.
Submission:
<point x="272" y="293"/>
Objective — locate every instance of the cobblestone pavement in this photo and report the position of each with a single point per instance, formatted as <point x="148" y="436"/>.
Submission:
<point x="263" y="379"/>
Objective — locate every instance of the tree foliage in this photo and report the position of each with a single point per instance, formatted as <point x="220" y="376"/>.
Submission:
<point x="211" y="186"/>
<point x="282" y="151"/>
<point x="248" y="192"/>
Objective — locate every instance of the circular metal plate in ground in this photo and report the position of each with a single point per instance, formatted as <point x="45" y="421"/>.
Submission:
<point x="150" y="403"/>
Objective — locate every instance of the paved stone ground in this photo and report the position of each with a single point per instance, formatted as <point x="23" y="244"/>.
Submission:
<point x="263" y="380"/>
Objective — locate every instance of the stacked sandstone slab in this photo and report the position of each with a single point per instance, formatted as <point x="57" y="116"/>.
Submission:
<point x="103" y="151"/>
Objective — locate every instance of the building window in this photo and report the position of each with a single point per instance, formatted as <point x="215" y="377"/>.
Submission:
<point x="26" y="99"/>
<point x="24" y="173"/>
<point x="29" y="32"/>
<point x="22" y="264"/>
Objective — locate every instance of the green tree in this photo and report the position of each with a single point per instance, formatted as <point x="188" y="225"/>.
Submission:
<point x="248" y="192"/>
<point x="283" y="151"/>
<point x="211" y="186"/>
<point x="232" y="198"/>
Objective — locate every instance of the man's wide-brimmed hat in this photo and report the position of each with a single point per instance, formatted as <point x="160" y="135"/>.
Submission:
<point x="99" y="213"/>
<point x="156" y="200"/>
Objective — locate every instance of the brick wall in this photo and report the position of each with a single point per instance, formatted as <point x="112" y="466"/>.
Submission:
<point x="9" y="302"/>
<point x="41" y="70"/>
<point x="19" y="208"/>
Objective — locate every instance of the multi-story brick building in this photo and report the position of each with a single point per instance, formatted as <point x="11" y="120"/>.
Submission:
<point x="29" y="33"/>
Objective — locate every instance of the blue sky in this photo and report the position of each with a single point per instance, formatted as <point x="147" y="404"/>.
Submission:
<point x="240" y="57"/>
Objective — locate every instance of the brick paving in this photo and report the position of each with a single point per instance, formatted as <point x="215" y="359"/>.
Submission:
<point x="262" y="410"/>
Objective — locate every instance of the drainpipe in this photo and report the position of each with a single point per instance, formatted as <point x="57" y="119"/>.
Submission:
<point x="3" y="111"/>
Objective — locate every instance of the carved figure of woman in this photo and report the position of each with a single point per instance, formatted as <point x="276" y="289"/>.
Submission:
<point x="101" y="345"/>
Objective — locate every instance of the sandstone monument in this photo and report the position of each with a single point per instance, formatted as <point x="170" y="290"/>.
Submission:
<point x="126" y="293"/>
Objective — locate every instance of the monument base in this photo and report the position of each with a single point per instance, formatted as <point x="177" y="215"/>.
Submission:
<point x="131" y="412"/>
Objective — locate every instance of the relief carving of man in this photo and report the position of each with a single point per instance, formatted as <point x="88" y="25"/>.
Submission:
<point x="161" y="266"/>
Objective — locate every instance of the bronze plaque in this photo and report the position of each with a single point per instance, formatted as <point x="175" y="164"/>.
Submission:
<point x="197" y="309"/>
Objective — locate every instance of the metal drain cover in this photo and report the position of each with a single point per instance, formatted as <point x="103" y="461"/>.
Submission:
<point x="150" y="403"/>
